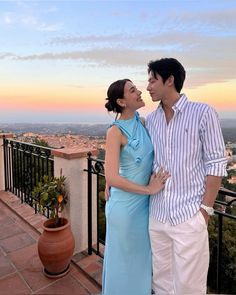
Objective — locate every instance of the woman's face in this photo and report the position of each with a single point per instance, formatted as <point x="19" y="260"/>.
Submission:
<point x="132" y="97"/>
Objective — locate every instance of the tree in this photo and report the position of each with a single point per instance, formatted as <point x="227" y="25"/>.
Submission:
<point x="41" y="142"/>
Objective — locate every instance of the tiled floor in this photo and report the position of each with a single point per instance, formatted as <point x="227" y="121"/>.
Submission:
<point x="20" y="267"/>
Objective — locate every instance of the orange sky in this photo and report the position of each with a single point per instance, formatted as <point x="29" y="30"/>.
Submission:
<point x="54" y="61"/>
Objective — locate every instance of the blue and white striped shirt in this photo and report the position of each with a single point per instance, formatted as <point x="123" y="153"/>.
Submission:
<point x="190" y="147"/>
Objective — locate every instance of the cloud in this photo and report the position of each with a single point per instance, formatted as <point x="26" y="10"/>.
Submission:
<point x="203" y="41"/>
<point x="8" y="18"/>
<point x="29" y="21"/>
<point x="49" y="27"/>
<point x="220" y="19"/>
<point x="89" y="38"/>
<point x="203" y="65"/>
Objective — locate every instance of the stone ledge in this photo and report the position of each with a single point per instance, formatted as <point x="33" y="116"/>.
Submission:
<point x="73" y="153"/>
<point x="7" y="135"/>
<point x="90" y="264"/>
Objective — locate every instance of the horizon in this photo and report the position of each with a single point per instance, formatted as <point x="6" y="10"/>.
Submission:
<point x="81" y="123"/>
<point x="56" y="66"/>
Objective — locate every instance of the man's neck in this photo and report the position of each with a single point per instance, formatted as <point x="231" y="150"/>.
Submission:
<point x="167" y="105"/>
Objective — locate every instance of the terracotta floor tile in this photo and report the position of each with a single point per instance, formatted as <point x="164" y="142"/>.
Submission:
<point x="35" y="278"/>
<point x="5" y="220"/>
<point x="97" y="277"/>
<point x="9" y="230"/>
<point x="25" y="257"/>
<point x="66" y="285"/>
<point x="13" y="284"/>
<point x="5" y="266"/>
<point x="1" y="252"/>
<point x="79" y="256"/>
<point x="16" y="242"/>
<point x="93" y="267"/>
<point x="86" y="283"/>
<point x="88" y="260"/>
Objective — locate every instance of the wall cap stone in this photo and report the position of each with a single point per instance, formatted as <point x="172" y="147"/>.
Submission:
<point x="7" y="135"/>
<point x="74" y="153"/>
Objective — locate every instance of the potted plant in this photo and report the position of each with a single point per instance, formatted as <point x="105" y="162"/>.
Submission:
<point x="56" y="244"/>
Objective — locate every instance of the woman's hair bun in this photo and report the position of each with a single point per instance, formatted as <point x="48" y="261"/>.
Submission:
<point x="108" y="105"/>
<point x="114" y="92"/>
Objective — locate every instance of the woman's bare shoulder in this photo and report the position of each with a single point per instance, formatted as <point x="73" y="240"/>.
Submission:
<point x="113" y="131"/>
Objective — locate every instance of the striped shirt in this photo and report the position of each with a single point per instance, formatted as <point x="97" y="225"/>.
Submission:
<point x="190" y="147"/>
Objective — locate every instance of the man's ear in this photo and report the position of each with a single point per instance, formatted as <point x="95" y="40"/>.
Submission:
<point x="170" y="80"/>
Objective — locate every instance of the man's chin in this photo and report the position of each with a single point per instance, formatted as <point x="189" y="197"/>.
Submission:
<point x="155" y="99"/>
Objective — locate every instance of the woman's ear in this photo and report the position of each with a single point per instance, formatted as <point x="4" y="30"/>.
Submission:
<point x="120" y="102"/>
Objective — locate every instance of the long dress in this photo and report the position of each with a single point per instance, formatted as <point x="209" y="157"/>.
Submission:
<point x="127" y="268"/>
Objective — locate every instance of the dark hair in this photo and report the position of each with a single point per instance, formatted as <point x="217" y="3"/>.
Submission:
<point x="115" y="91"/>
<point x="166" y="67"/>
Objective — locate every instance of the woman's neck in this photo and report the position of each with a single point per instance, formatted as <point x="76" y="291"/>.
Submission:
<point x="126" y="115"/>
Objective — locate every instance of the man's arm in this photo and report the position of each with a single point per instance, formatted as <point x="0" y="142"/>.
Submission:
<point x="213" y="184"/>
<point x="214" y="157"/>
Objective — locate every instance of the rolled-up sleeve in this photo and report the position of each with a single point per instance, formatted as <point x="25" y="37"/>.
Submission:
<point x="213" y="144"/>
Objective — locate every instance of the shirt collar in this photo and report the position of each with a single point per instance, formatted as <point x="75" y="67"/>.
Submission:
<point x="179" y="105"/>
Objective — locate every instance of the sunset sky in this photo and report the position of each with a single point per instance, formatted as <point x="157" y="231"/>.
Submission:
<point x="57" y="58"/>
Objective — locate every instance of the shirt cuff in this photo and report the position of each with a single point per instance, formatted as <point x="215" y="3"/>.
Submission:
<point x="217" y="169"/>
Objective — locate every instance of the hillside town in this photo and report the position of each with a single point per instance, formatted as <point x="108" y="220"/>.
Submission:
<point x="63" y="140"/>
<point x="231" y="168"/>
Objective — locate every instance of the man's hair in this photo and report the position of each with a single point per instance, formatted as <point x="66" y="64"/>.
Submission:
<point x="167" y="67"/>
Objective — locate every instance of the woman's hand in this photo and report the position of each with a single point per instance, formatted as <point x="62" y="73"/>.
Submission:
<point x="107" y="192"/>
<point x="157" y="181"/>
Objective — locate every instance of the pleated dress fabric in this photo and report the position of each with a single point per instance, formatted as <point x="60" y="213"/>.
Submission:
<point x="127" y="268"/>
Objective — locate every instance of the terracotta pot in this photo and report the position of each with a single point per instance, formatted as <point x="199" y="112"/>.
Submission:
<point x="55" y="247"/>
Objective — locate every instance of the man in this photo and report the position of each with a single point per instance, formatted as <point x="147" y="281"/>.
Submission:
<point x="188" y="143"/>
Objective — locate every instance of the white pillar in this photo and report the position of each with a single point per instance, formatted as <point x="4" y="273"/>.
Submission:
<point x="2" y="177"/>
<point x="73" y="161"/>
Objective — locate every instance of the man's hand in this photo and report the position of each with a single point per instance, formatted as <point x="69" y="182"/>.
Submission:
<point x="205" y="215"/>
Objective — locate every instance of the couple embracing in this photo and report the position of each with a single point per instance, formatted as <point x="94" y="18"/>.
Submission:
<point x="164" y="174"/>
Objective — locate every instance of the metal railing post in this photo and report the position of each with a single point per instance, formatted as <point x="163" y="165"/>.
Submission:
<point x="219" y="254"/>
<point x="89" y="204"/>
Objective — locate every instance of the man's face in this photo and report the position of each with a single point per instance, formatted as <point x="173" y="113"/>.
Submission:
<point x="155" y="87"/>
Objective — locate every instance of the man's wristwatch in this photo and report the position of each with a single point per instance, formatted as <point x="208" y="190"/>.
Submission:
<point x="209" y="210"/>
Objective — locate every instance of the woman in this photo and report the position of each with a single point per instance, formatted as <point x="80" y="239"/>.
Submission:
<point x="128" y="165"/>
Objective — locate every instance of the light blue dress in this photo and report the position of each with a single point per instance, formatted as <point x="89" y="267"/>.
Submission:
<point x="127" y="268"/>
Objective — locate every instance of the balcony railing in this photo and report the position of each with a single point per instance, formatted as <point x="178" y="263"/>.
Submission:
<point x="217" y="226"/>
<point x="24" y="166"/>
<point x="224" y="223"/>
<point x="96" y="167"/>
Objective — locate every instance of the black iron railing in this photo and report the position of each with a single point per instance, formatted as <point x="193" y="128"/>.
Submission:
<point x="24" y="166"/>
<point x="96" y="168"/>
<point x="222" y="235"/>
<point x="221" y="224"/>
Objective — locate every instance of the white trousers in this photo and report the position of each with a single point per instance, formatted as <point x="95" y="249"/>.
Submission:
<point x="180" y="256"/>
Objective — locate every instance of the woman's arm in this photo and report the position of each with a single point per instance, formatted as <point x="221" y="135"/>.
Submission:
<point x="114" y="142"/>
